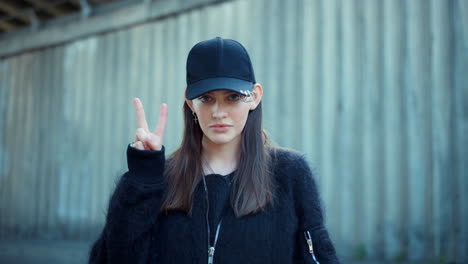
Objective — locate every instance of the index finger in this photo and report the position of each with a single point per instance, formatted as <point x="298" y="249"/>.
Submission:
<point x="140" y="114"/>
<point x="161" y="126"/>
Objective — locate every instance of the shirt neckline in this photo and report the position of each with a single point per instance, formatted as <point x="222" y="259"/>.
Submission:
<point x="224" y="176"/>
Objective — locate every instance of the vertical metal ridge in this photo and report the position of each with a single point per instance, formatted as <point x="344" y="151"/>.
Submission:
<point x="374" y="97"/>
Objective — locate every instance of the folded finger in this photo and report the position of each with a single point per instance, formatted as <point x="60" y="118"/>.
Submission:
<point x="139" y="145"/>
<point x="141" y="135"/>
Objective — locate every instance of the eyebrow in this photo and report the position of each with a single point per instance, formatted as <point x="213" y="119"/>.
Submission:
<point x="225" y="92"/>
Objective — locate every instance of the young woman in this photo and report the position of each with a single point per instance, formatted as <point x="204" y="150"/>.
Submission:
<point x="226" y="195"/>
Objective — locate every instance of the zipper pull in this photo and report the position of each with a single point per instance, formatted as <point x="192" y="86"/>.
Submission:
<point x="309" y="242"/>
<point x="308" y="238"/>
<point x="211" y="251"/>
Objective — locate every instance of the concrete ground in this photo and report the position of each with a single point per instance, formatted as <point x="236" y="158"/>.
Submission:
<point x="76" y="252"/>
<point x="44" y="252"/>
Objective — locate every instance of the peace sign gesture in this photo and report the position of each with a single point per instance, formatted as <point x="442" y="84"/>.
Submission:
<point x="144" y="139"/>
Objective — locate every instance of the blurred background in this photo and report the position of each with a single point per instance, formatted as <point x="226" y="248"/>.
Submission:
<point x="375" y="93"/>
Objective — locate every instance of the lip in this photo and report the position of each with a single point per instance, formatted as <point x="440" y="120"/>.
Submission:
<point x="221" y="125"/>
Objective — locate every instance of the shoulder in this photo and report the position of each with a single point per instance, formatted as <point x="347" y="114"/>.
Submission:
<point x="284" y="155"/>
<point x="292" y="171"/>
<point x="286" y="160"/>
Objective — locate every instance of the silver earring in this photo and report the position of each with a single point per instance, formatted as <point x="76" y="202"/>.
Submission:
<point x="195" y="117"/>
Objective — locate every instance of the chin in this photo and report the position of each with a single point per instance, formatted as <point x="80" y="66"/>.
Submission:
<point x="220" y="139"/>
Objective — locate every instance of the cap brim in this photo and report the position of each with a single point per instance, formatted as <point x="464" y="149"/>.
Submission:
<point x="198" y="88"/>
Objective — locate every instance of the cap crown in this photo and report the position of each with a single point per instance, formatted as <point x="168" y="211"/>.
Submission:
<point x="219" y="57"/>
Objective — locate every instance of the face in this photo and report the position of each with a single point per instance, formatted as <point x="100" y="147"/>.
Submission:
<point x="222" y="114"/>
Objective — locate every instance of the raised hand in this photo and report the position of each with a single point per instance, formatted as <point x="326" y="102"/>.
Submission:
<point x="144" y="139"/>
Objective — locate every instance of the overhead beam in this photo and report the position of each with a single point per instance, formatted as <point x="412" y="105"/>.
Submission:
<point x="50" y="8"/>
<point x="76" y="3"/>
<point x="103" y="20"/>
<point x="7" y="26"/>
<point x="85" y="8"/>
<point x="34" y="20"/>
<point x="14" y="11"/>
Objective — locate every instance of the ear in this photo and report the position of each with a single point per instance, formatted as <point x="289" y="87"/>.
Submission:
<point x="189" y="102"/>
<point x="257" y="96"/>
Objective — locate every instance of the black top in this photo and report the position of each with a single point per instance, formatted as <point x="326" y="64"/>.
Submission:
<point x="135" y="232"/>
<point x="218" y="194"/>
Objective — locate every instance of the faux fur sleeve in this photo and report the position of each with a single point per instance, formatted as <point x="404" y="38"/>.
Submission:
<point x="133" y="211"/>
<point x="310" y="213"/>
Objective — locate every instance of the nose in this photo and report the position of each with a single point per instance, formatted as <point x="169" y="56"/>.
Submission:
<point x="218" y="111"/>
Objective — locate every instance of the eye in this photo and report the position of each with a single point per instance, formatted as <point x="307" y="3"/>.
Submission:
<point x="204" y="98"/>
<point x="234" y="97"/>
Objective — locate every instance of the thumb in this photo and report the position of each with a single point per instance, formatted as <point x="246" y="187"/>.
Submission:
<point x="153" y="142"/>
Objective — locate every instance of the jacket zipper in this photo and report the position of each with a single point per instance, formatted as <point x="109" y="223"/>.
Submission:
<point x="211" y="249"/>
<point x="308" y="238"/>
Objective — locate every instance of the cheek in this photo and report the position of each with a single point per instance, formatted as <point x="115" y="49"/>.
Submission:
<point x="204" y="118"/>
<point x="204" y="121"/>
<point x="240" y="116"/>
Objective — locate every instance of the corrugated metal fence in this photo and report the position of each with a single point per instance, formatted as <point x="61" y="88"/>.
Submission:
<point x="374" y="92"/>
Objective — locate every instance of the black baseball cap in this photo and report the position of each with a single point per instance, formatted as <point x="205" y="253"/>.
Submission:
<point x="219" y="64"/>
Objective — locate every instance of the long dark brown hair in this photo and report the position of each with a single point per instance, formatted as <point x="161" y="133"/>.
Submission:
<point x="252" y="185"/>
